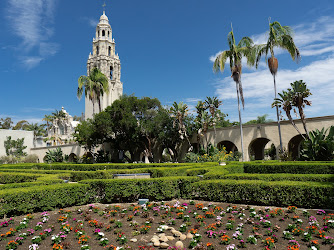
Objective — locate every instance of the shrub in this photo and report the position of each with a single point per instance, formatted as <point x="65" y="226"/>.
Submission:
<point x="282" y="177"/>
<point x="212" y="154"/>
<point x="34" y="199"/>
<point x="54" y="156"/>
<point x="319" y="146"/>
<point x="30" y="159"/>
<point x="10" y="159"/>
<point x="290" y="167"/>
<point x="16" y="177"/>
<point x="258" y="192"/>
<point x="129" y="190"/>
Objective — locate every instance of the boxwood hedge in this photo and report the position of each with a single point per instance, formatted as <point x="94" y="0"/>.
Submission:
<point x="259" y="192"/>
<point x="23" y="200"/>
<point x="289" y="167"/>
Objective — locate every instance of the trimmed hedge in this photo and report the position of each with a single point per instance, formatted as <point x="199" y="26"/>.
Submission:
<point x="23" y="200"/>
<point x="101" y="166"/>
<point x="155" y="172"/>
<point x="282" y="177"/>
<point x="220" y="171"/>
<point x="290" y="167"/>
<point x="258" y="192"/>
<point x="130" y="190"/>
<point x="6" y="178"/>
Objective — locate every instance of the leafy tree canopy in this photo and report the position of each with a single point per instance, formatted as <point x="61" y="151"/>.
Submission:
<point x="6" y="123"/>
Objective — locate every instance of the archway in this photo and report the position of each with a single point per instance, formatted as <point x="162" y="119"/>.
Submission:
<point x="256" y="148"/>
<point x="294" y="146"/>
<point x="88" y="158"/>
<point x="229" y="146"/>
<point x="72" y="157"/>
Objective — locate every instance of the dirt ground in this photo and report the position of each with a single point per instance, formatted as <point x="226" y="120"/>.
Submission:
<point x="215" y="223"/>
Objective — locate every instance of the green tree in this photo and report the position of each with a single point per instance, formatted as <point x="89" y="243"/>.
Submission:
<point x="15" y="147"/>
<point x="134" y="126"/>
<point x="259" y="120"/>
<point x="213" y="105"/>
<point x="6" y="123"/>
<point x="39" y="130"/>
<point x="245" y="48"/>
<point x="281" y="37"/>
<point x="49" y="121"/>
<point x="84" y="135"/>
<point x="95" y="85"/>
<point x="21" y="125"/>
<point x="299" y="93"/>
<point x="179" y="111"/>
<point x="285" y="102"/>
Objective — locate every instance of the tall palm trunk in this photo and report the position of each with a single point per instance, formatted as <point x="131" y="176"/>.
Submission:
<point x="302" y="117"/>
<point x="99" y="102"/>
<point x="278" y="120"/>
<point x="273" y="66"/>
<point x="241" y="133"/>
<point x="215" y="134"/>
<point x="293" y="123"/>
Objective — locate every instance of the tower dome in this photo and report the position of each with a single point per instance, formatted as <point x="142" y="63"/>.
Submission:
<point x="104" y="18"/>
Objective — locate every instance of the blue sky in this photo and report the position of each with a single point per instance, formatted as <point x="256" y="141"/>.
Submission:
<point x="166" y="50"/>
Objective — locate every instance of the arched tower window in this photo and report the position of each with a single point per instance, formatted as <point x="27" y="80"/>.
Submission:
<point x="108" y="33"/>
<point x="111" y="69"/>
<point x="109" y="51"/>
<point x="98" y="34"/>
<point x="103" y="33"/>
<point x="97" y="50"/>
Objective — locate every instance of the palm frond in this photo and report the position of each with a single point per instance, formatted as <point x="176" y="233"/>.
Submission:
<point x="288" y="44"/>
<point x="260" y="51"/>
<point x="220" y="61"/>
<point x="245" y="42"/>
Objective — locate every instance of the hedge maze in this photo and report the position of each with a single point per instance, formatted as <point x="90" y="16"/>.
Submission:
<point x="38" y="187"/>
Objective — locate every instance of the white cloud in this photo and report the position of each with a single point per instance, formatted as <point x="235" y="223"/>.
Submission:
<point x="90" y="21"/>
<point x="192" y="100"/>
<point x="31" y="109"/>
<point x="32" y="22"/>
<point x="259" y="93"/>
<point x="312" y="39"/>
<point x="30" y="62"/>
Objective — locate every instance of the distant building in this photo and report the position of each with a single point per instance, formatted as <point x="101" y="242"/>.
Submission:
<point x="107" y="61"/>
<point x="61" y="129"/>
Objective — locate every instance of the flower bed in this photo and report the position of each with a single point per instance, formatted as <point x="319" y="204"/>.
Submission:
<point x="187" y="224"/>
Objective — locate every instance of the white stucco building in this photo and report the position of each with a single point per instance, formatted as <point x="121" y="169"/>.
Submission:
<point x="107" y="61"/>
<point x="16" y="134"/>
<point x="61" y="129"/>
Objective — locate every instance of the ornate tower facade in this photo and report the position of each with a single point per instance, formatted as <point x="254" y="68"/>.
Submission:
<point x="107" y="61"/>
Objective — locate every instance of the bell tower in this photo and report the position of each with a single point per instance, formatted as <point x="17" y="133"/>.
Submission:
<point x="107" y="61"/>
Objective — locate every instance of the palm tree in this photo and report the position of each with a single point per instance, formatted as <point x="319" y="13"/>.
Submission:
<point x="95" y="85"/>
<point x="179" y="111"/>
<point x="299" y="93"/>
<point x="279" y="36"/>
<point x="38" y="130"/>
<point x="213" y="104"/>
<point x="285" y="102"/>
<point x="245" y="48"/>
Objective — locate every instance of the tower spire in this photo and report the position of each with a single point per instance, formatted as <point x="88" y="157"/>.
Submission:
<point x="104" y="6"/>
